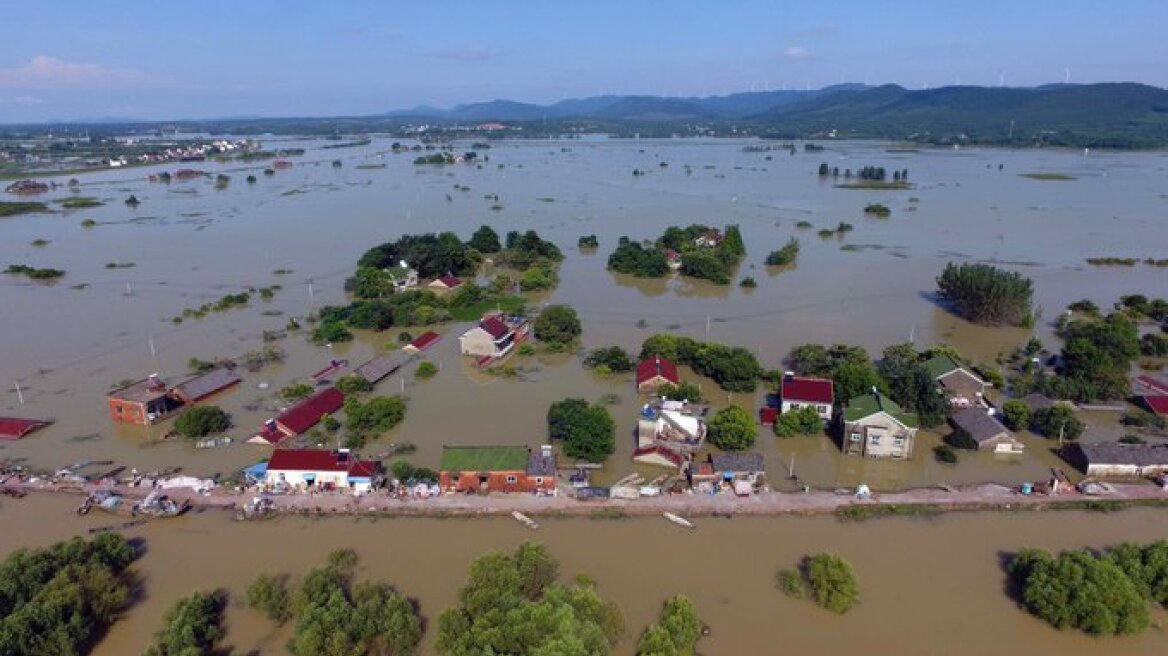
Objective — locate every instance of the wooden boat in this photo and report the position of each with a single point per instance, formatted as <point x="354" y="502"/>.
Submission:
<point x="524" y="519"/>
<point x="680" y="521"/>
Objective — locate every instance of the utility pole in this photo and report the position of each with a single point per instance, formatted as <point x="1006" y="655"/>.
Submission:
<point x="707" y="325"/>
<point x="153" y="351"/>
<point x="19" y="393"/>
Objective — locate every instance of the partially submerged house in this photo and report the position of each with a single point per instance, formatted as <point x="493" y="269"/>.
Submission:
<point x="739" y="470"/>
<point x="659" y="456"/>
<point x="484" y="469"/>
<point x="1117" y="459"/>
<point x="671" y="425"/>
<point x="797" y="392"/>
<point x="493" y="337"/>
<point x="653" y="372"/>
<point x="321" y="469"/>
<point x="876" y="427"/>
<point x="402" y="276"/>
<point x="422" y="342"/>
<point x="144" y="402"/>
<point x="1157" y="405"/>
<point x="382" y="366"/>
<point x="709" y="239"/>
<point x="206" y="385"/>
<point x="300" y="417"/>
<point x="14" y="428"/>
<point x="961" y="386"/>
<point x="986" y="431"/>
<point x="446" y="282"/>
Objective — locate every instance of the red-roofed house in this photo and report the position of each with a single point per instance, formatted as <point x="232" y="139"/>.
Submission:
<point x="1157" y="404"/>
<point x="446" y="282"/>
<point x="491" y="338"/>
<point x="13" y="428"/>
<point x="797" y="392"/>
<point x="422" y="342"/>
<point x="300" y="417"/>
<point x="654" y="372"/>
<point x="320" y="468"/>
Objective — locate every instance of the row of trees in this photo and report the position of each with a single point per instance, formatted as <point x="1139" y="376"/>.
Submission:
<point x="785" y="255"/>
<point x="714" y="263"/>
<point x="734" y="368"/>
<point x="985" y="294"/>
<point x="1098" y="593"/>
<point x="874" y="173"/>
<point x="334" y="615"/>
<point x="635" y="259"/>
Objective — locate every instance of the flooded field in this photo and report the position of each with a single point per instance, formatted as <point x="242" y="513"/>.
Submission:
<point x="927" y="586"/>
<point x="68" y="343"/>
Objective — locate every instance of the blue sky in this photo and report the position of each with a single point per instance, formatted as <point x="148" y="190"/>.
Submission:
<point x="166" y="60"/>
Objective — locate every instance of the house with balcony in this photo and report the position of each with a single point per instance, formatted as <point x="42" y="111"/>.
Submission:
<point x="493" y="337"/>
<point x="874" y="426"/>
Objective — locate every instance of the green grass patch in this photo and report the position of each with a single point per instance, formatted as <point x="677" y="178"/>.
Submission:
<point x="78" y="202"/>
<point x="857" y="512"/>
<point x="12" y="208"/>
<point x="608" y="513"/>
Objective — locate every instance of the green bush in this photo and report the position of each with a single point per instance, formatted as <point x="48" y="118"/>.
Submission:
<point x="945" y="453"/>
<point x="804" y="421"/>
<point x="353" y="384"/>
<point x="1049" y="422"/>
<point x="378" y="415"/>
<point x="614" y="357"/>
<point x="833" y="582"/>
<point x="683" y="391"/>
<point x="426" y="370"/>
<point x="676" y="633"/>
<point x="557" y="324"/>
<point x="632" y="258"/>
<point x="784" y="255"/>
<point x="792" y="584"/>
<point x="296" y="392"/>
<point x="732" y="429"/>
<point x="202" y="420"/>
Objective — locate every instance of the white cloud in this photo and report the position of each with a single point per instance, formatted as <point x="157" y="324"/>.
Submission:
<point x="45" y="72"/>
<point x="797" y="52"/>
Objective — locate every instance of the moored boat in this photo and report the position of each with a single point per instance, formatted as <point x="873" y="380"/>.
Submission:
<point x="676" y="519"/>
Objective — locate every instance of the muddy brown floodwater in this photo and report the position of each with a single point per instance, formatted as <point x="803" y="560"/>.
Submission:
<point x="931" y="586"/>
<point x="67" y="343"/>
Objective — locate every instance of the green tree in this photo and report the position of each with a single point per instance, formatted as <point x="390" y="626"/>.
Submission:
<point x="632" y="258"/>
<point x="557" y="324"/>
<point x="784" y="255"/>
<point x="296" y="392"/>
<point x="377" y="415"/>
<point x="587" y="430"/>
<point x="354" y="384"/>
<point x="1057" y="421"/>
<point x="192" y="627"/>
<point x="804" y="421"/>
<point x="485" y="240"/>
<point x="676" y="633"/>
<point x="985" y="294"/>
<point x="268" y="593"/>
<point x="202" y="420"/>
<point x="706" y="265"/>
<point x="614" y="357"/>
<point x="833" y="582"/>
<point x="1079" y="590"/>
<point x="732" y="429"/>
<point x="1016" y="414"/>
<point x="684" y="391"/>
<point x="511" y="604"/>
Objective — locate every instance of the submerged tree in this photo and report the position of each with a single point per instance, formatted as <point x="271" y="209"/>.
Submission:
<point x="985" y="294"/>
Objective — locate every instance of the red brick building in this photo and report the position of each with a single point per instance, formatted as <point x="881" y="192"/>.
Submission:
<point x="484" y="469"/>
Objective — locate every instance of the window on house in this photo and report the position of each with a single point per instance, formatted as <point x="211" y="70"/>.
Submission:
<point x="794" y="406"/>
<point x="512" y="480"/>
<point x="874" y="440"/>
<point x="539" y="480"/>
<point x="855" y="437"/>
<point x="898" y="441"/>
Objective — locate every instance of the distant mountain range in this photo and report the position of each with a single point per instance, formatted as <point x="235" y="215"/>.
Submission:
<point x="1106" y="114"/>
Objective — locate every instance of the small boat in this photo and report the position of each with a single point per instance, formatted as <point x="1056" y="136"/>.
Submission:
<point x="524" y="519"/>
<point x="680" y="521"/>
